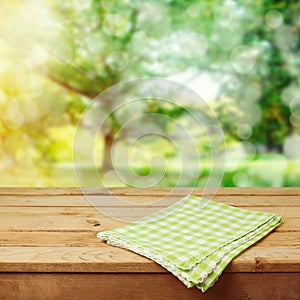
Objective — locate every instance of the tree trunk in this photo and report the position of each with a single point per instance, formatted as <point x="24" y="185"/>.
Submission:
<point x="270" y="144"/>
<point x="107" y="157"/>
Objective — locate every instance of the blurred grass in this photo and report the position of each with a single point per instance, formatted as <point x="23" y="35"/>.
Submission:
<point x="262" y="170"/>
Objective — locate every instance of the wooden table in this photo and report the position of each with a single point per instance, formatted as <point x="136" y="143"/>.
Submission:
<point x="49" y="249"/>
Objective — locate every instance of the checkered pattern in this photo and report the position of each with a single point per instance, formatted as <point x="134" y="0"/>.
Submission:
<point x="195" y="239"/>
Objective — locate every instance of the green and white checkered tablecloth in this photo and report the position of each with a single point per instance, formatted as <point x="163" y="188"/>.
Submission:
<point x="195" y="239"/>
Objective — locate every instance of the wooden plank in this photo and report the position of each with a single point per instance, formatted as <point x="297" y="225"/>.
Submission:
<point x="49" y="239"/>
<point x="71" y="224"/>
<point x="49" y="219"/>
<point x="286" y="212"/>
<point x="8" y="212"/>
<point x="93" y="212"/>
<point x="262" y="286"/>
<point x="267" y="259"/>
<point x="88" y="218"/>
<point x="105" y="258"/>
<point x="150" y="191"/>
<point x="112" y="200"/>
<point x="289" y="225"/>
<point x="85" y="239"/>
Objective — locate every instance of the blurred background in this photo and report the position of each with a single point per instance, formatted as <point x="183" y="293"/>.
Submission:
<point x="241" y="57"/>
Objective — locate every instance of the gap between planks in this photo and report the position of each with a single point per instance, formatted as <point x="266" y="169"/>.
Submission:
<point x="149" y="192"/>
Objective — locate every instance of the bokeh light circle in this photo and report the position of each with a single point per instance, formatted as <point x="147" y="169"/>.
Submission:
<point x="273" y="19"/>
<point x="243" y="59"/>
<point x="295" y="107"/>
<point x="244" y="131"/>
<point x="147" y="117"/>
<point x="118" y="60"/>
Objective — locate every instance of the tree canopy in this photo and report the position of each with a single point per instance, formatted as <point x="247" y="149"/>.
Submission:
<point x="57" y="56"/>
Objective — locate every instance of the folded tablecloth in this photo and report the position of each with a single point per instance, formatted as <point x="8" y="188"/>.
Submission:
<point x="195" y="239"/>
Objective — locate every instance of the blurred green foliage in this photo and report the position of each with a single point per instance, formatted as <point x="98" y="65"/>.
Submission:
<point x="57" y="56"/>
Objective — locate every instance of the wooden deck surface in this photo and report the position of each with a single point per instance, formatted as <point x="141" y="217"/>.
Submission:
<point x="49" y="248"/>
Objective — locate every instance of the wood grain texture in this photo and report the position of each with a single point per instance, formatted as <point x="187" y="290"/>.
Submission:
<point x="104" y="258"/>
<point x="85" y="219"/>
<point x="48" y="237"/>
<point x="87" y="238"/>
<point x="233" y="286"/>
